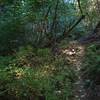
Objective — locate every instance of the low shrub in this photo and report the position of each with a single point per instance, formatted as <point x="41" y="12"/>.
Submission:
<point x="50" y="78"/>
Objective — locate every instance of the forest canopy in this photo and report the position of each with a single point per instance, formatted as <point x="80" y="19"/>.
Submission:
<point x="37" y="22"/>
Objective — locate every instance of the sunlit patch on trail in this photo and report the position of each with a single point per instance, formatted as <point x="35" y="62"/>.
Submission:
<point x="74" y="53"/>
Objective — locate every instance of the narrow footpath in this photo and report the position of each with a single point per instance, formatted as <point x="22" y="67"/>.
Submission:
<point x="75" y="55"/>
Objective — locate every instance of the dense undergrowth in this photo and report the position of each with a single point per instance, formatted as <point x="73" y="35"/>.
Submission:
<point x="91" y="68"/>
<point x="34" y="74"/>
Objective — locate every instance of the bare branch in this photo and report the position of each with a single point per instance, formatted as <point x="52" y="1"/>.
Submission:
<point x="79" y="4"/>
<point x="73" y="26"/>
<point x="55" y="16"/>
<point x="47" y="13"/>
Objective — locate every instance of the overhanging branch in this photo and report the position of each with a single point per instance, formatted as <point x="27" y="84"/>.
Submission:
<point x="73" y="26"/>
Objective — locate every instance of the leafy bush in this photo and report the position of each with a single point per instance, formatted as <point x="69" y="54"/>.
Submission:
<point x="91" y="64"/>
<point x="52" y="79"/>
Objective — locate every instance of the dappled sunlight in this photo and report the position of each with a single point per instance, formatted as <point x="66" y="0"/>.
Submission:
<point x="74" y="53"/>
<point x="44" y="49"/>
<point x="18" y="73"/>
<point x="46" y="71"/>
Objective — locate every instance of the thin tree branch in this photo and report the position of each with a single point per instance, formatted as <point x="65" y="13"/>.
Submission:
<point x="79" y="5"/>
<point x="52" y="41"/>
<point x="47" y="13"/>
<point x="73" y="26"/>
<point x="77" y="22"/>
<point x="55" y="16"/>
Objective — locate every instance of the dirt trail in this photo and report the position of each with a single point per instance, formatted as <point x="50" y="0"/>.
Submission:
<point x="75" y="54"/>
<point x="79" y="90"/>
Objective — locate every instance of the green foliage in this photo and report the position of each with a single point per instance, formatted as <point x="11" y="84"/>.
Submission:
<point x="29" y="57"/>
<point x="17" y="19"/>
<point x="50" y="78"/>
<point x="30" y="72"/>
<point x="91" y="64"/>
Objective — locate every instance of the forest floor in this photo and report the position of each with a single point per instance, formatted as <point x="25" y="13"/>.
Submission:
<point x="79" y="90"/>
<point x="75" y="54"/>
